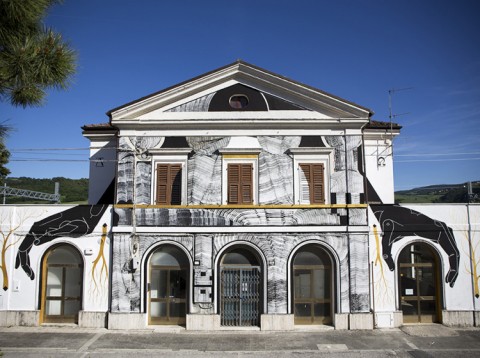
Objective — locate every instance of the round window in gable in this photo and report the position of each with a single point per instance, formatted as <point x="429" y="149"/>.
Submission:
<point x="238" y="101"/>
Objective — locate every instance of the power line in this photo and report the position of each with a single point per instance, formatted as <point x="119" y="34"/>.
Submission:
<point x="435" y="160"/>
<point x="34" y="149"/>
<point x="434" y="154"/>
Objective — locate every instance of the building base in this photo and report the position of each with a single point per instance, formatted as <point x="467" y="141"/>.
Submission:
<point x="360" y="321"/>
<point x="340" y="321"/>
<point x="458" y="318"/>
<point x="127" y="320"/>
<point x="388" y="319"/>
<point x="19" y="318"/>
<point x="203" y="322"/>
<point x="92" y="319"/>
<point x="277" y="322"/>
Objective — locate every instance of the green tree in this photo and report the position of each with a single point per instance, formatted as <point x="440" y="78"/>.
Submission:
<point x="4" y="153"/>
<point x="33" y="58"/>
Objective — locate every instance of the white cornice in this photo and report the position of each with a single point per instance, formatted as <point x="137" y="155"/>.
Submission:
<point x="170" y="151"/>
<point x="310" y="150"/>
<point x="380" y="134"/>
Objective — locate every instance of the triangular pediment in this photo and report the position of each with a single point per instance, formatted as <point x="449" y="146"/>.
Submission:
<point x="242" y="88"/>
<point x="237" y="97"/>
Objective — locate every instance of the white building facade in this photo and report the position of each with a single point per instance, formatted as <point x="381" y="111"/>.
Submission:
<point x="242" y="198"/>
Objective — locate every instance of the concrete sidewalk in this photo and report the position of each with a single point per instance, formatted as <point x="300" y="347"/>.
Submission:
<point x="409" y="341"/>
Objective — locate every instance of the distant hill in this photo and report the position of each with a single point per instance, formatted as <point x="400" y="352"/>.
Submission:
<point x="76" y="191"/>
<point x="443" y="193"/>
<point x="71" y="190"/>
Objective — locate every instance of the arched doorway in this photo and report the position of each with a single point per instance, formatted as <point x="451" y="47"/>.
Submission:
<point x="168" y="286"/>
<point x="62" y="273"/>
<point x="312" y="286"/>
<point x="418" y="284"/>
<point x="241" y="291"/>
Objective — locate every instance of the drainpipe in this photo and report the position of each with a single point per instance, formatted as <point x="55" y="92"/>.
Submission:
<point x="471" y="253"/>
<point x="134" y="247"/>
<point x="372" y="291"/>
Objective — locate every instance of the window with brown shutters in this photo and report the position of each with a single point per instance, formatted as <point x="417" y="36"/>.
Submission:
<point x="312" y="183"/>
<point x="169" y="184"/>
<point x="240" y="184"/>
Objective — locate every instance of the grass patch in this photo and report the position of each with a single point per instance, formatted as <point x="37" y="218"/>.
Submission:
<point x="419" y="198"/>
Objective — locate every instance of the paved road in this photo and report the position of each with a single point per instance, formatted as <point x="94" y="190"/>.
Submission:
<point x="410" y="341"/>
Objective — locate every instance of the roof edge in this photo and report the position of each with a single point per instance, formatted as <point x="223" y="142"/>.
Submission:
<point x="238" y="63"/>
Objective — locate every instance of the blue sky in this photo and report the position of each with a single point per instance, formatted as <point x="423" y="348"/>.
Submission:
<point x="355" y="49"/>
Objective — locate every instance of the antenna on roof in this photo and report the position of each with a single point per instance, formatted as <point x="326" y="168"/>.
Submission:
<point x="391" y="92"/>
<point x="392" y="115"/>
<point x="388" y="150"/>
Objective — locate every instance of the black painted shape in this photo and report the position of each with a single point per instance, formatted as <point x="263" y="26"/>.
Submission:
<point x="372" y="195"/>
<point x="312" y="141"/>
<point x="74" y="222"/>
<point x="333" y="198"/>
<point x="108" y="196"/>
<point x="220" y="101"/>
<point x="175" y="142"/>
<point x="398" y="222"/>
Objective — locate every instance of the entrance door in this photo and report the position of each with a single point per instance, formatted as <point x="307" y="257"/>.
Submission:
<point x="240" y="289"/>
<point x="62" y="285"/>
<point x="168" y="286"/>
<point x="312" y="282"/>
<point x="419" y="298"/>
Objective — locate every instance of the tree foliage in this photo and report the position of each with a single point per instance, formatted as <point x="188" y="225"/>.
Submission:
<point x="5" y="129"/>
<point x="33" y="58"/>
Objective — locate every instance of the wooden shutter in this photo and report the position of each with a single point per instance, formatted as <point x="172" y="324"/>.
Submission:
<point x="162" y="183"/>
<point x="175" y="184"/>
<point x="312" y="183"/>
<point x="305" y="178"/>
<point x="169" y="184"/>
<point x="247" y="183"/>
<point x="240" y="184"/>
<point x="318" y="193"/>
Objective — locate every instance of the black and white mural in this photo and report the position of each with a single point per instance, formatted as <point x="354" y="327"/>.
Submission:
<point x="277" y="249"/>
<point x="75" y="222"/>
<point x="397" y="223"/>
<point x="275" y="187"/>
<point x="275" y="180"/>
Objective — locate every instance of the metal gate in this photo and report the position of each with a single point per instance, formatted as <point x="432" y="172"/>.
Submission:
<point x="240" y="296"/>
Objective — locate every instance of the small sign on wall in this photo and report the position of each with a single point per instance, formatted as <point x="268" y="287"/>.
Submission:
<point x="202" y="294"/>
<point x="203" y="277"/>
<point x="409" y="292"/>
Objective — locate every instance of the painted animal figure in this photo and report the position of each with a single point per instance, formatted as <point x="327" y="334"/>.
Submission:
<point x="75" y="222"/>
<point x="398" y="222"/>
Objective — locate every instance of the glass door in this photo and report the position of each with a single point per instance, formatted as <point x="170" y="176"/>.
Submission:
<point x="168" y="295"/>
<point x="418" y="284"/>
<point x="62" y="285"/>
<point x="312" y="286"/>
<point x="312" y="295"/>
<point x="168" y="287"/>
